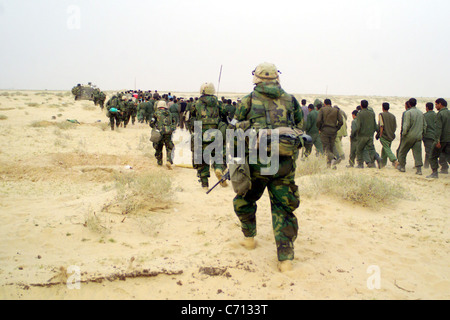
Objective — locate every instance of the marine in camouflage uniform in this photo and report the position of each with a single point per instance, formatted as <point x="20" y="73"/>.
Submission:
<point x="174" y="109"/>
<point x="270" y="107"/>
<point x="133" y="111"/>
<point x="101" y="99"/>
<point x="127" y="110"/>
<point x="164" y="122"/>
<point x="114" y="117"/>
<point x="208" y="112"/>
<point x="230" y="109"/>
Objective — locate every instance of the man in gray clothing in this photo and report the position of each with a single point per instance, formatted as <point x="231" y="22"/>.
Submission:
<point x="413" y="129"/>
<point x="388" y="125"/>
<point x="329" y="121"/>
<point x="429" y="135"/>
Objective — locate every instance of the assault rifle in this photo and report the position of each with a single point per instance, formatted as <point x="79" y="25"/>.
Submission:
<point x="225" y="177"/>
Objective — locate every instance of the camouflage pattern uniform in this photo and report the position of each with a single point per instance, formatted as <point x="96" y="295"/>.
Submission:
<point x="163" y="121"/>
<point x="149" y="110"/>
<point x="175" y="112"/>
<point x="283" y="111"/>
<point x="114" y="117"/>
<point x="230" y="109"/>
<point x="208" y="112"/>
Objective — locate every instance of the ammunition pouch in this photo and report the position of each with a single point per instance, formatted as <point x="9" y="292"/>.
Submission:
<point x="290" y="140"/>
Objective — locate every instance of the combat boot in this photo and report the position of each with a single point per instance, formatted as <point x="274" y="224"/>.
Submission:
<point x="419" y="171"/>
<point x="401" y="168"/>
<point x="248" y="243"/>
<point x="284" y="266"/>
<point x="219" y="175"/>
<point x="443" y="171"/>
<point x="160" y="163"/>
<point x="205" y="184"/>
<point x="433" y="175"/>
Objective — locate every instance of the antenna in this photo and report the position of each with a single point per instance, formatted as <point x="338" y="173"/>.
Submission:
<point x="220" y="76"/>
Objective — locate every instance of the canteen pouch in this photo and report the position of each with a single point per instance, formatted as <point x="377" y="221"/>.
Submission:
<point x="289" y="140"/>
<point x="155" y="136"/>
<point x="240" y="177"/>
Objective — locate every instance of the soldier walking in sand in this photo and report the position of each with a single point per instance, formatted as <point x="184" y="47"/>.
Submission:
<point x="270" y="107"/>
<point x="210" y="115"/>
<point x="163" y="122"/>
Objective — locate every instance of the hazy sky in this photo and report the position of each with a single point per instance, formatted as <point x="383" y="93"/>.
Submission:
<point x="350" y="47"/>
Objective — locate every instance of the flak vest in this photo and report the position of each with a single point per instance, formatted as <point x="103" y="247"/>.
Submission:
<point x="208" y="114"/>
<point x="267" y="113"/>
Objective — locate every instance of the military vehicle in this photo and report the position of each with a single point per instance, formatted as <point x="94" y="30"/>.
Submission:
<point x="84" y="92"/>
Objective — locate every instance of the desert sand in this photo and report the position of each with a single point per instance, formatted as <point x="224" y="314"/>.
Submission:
<point x="62" y="219"/>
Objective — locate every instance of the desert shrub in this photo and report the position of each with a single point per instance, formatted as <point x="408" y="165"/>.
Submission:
<point x="63" y="125"/>
<point x="142" y="192"/>
<point x="361" y="189"/>
<point x="89" y="108"/>
<point x="41" y="124"/>
<point x="95" y="224"/>
<point x="311" y="165"/>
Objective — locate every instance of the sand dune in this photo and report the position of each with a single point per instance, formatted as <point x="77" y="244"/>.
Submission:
<point x="61" y="218"/>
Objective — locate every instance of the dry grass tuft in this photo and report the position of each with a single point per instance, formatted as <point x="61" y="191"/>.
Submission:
<point x="143" y="192"/>
<point x="360" y="189"/>
<point x="311" y="165"/>
<point x="63" y="125"/>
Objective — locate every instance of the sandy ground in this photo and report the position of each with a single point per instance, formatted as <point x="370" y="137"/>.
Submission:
<point x="54" y="179"/>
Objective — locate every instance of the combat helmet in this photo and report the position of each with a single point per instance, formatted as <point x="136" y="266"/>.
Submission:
<point x="161" y="105"/>
<point x="265" y="72"/>
<point x="207" y="89"/>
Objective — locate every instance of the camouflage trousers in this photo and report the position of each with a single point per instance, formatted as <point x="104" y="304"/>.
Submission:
<point x="166" y="141"/>
<point x="114" y="119"/>
<point x="284" y="200"/>
<point x="204" y="168"/>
